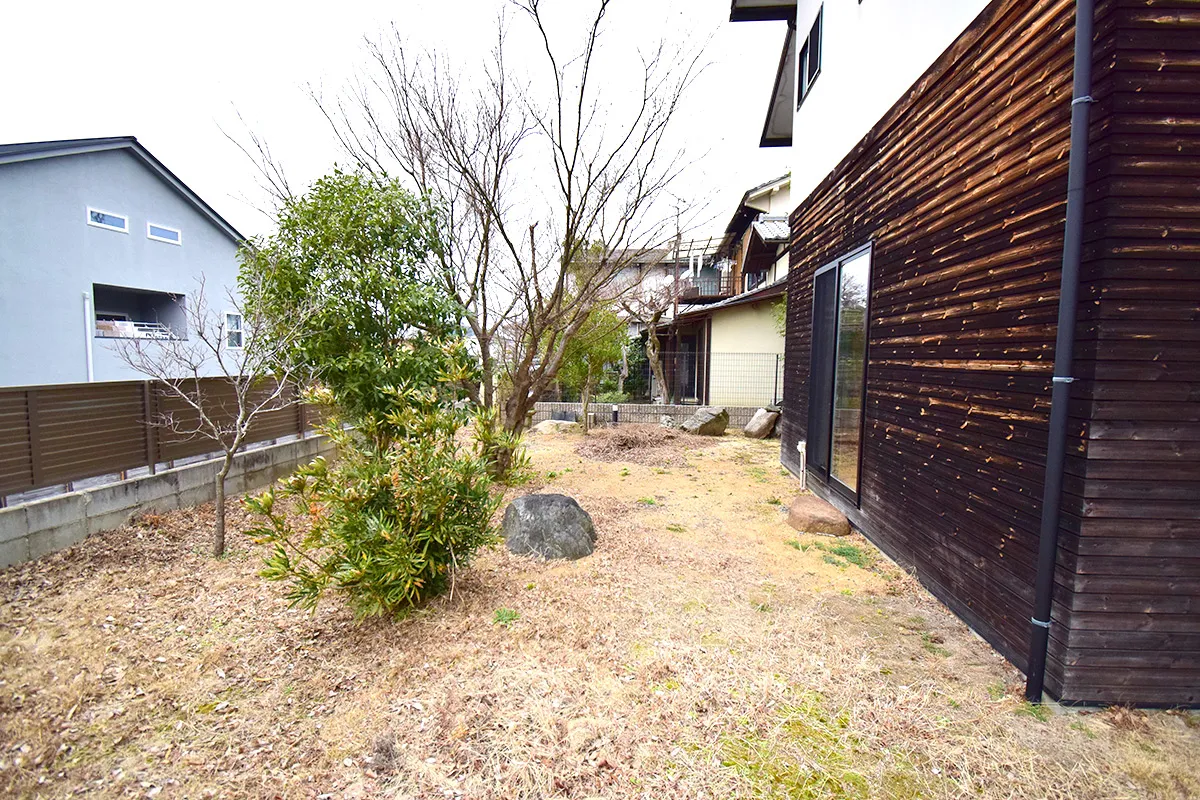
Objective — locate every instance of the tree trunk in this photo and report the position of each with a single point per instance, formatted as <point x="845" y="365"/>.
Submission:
<point x="487" y="378"/>
<point x="587" y="400"/>
<point x="656" y="366"/>
<point x="624" y="373"/>
<point x="219" y="508"/>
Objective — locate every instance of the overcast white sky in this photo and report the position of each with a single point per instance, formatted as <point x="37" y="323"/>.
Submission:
<point x="173" y="74"/>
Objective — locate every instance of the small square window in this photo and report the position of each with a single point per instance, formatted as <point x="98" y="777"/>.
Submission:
<point x="233" y="331"/>
<point x="161" y="233"/>
<point x="107" y="220"/>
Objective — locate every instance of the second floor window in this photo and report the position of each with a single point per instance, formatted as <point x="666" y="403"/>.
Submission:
<point x="809" y="65"/>
<point x="233" y="331"/>
<point x="106" y="219"/>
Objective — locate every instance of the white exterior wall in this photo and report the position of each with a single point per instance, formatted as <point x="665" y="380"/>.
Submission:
<point x="872" y="52"/>
<point x="748" y="328"/>
<point x="747" y="355"/>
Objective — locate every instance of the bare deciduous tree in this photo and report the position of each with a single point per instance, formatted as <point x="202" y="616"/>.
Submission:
<point x="550" y="186"/>
<point x="254" y="365"/>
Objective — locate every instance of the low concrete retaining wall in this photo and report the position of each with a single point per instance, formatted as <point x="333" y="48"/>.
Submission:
<point x="32" y="530"/>
<point x="639" y="412"/>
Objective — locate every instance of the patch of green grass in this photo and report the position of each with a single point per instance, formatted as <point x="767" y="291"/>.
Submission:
<point x="675" y="527"/>
<point x="504" y="617"/>
<point x="661" y="471"/>
<point x="848" y="592"/>
<point x="794" y="544"/>
<point x="647" y="501"/>
<point x="774" y="501"/>
<point x="834" y="560"/>
<point x="624" y="472"/>
<point x="932" y="643"/>
<point x="551" y="475"/>
<point x="1084" y="729"/>
<point x="808" y="752"/>
<point x="765" y="608"/>
<point x="852" y="553"/>
<point x="531" y="585"/>
<point x="1036" y="710"/>
<point x="996" y="690"/>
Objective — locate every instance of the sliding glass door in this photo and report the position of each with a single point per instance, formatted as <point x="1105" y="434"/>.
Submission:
<point x="838" y="368"/>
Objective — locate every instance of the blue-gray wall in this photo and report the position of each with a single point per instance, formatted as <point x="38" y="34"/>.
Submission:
<point x="50" y="257"/>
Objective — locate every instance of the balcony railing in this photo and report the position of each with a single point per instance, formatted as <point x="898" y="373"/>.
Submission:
<point x="125" y="329"/>
<point x="706" y="287"/>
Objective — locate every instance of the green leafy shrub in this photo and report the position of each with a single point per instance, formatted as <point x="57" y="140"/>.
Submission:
<point x="508" y="460"/>
<point x="387" y="528"/>
<point x="612" y="397"/>
<point x="408" y="502"/>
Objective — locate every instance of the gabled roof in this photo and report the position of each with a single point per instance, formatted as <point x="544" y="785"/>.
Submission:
<point x="773" y="230"/>
<point x="32" y="151"/>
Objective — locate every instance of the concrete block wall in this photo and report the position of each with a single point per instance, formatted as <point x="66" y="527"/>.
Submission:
<point x="32" y="530"/>
<point x="641" y="412"/>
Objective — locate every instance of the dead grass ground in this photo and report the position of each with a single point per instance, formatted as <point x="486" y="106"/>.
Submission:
<point x="704" y="651"/>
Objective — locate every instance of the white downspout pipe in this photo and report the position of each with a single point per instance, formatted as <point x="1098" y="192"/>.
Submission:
<point x="88" y="332"/>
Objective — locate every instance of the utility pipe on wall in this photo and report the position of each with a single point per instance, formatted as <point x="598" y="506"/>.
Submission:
<point x="1064" y="353"/>
<point x="89" y="331"/>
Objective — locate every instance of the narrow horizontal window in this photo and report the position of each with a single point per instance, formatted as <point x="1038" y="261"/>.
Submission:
<point x="107" y="219"/>
<point x="161" y="233"/>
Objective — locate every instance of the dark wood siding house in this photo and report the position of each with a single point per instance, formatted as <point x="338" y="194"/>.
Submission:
<point x="923" y="295"/>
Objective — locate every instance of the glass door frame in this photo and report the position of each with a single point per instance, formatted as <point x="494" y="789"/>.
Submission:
<point x="852" y="494"/>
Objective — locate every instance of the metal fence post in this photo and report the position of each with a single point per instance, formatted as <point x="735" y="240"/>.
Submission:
<point x="616" y="414"/>
<point x="775" y="394"/>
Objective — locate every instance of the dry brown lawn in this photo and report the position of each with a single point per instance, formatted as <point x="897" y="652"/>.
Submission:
<point x="704" y="651"/>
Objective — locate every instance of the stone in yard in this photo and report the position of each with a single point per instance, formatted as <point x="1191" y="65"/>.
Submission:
<point x="554" y="426"/>
<point x="548" y="525"/>
<point x="761" y="424"/>
<point x="667" y="421"/>
<point x="708" y="422"/>
<point x="810" y="514"/>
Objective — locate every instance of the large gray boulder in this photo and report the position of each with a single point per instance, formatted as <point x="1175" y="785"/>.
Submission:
<point x="761" y="424"/>
<point x="548" y="525"/>
<point x="708" y="422"/>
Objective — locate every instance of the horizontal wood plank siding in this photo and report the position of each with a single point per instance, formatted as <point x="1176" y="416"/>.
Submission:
<point x="961" y="190"/>
<point x="1135" y="608"/>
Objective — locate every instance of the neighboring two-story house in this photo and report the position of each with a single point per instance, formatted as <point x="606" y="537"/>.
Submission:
<point x="737" y="341"/>
<point x="995" y="378"/>
<point x="101" y="241"/>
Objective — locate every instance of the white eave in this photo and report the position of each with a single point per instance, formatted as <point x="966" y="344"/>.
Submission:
<point x="777" y="130"/>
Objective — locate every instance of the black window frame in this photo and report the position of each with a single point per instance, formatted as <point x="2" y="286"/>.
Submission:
<point x="817" y="462"/>
<point x="808" y="58"/>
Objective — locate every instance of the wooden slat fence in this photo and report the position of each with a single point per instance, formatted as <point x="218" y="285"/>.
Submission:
<point x="51" y="435"/>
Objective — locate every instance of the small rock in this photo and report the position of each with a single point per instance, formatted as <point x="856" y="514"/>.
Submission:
<point x="810" y="514"/>
<point x="548" y="525"/>
<point x="708" y="422"/>
<point x="761" y="424"/>
<point x="667" y="421"/>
